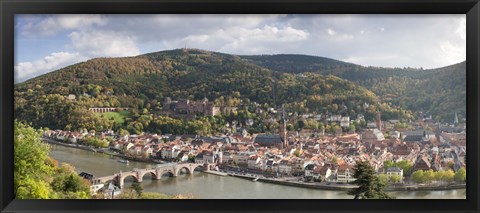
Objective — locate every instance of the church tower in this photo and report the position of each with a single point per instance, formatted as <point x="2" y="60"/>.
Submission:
<point x="379" y="121"/>
<point x="283" y="129"/>
<point x="455" y="121"/>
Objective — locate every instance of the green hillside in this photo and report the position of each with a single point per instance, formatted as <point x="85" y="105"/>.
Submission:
<point x="141" y="83"/>
<point x="440" y="92"/>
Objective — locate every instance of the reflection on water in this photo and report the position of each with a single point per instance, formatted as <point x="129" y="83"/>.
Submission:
<point x="206" y="186"/>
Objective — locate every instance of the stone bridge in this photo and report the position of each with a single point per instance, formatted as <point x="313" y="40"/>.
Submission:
<point x="157" y="173"/>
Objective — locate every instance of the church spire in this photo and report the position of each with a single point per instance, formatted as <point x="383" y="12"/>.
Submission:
<point x="283" y="128"/>
<point x="455" y="121"/>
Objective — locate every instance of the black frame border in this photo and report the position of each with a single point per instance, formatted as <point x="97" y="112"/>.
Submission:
<point x="8" y="8"/>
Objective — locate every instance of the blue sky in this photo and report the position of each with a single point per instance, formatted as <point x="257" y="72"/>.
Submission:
<point x="44" y="43"/>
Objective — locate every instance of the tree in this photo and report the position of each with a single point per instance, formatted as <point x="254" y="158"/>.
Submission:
<point x="460" y="175"/>
<point x="31" y="171"/>
<point x="36" y="175"/>
<point x="369" y="184"/>
<point x="137" y="187"/>
<point x="383" y="178"/>
<point x="429" y="176"/>
<point x="388" y="163"/>
<point x="448" y="176"/>
<point x="300" y="124"/>
<point x="297" y="153"/>
<point x="405" y="165"/>
<point x="418" y="176"/>
<point x="351" y="128"/>
<point x="396" y="179"/>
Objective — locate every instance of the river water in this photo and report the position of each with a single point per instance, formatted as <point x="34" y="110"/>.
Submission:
<point x="209" y="186"/>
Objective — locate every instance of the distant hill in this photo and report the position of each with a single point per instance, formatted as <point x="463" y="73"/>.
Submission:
<point x="441" y="91"/>
<point x="301" y="83"/>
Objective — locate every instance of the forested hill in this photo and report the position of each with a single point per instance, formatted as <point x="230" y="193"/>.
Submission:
<point x="142" y="82"/>
<point x="441" y="91"/>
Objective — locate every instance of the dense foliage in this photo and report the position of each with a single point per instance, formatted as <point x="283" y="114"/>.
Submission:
<point x="37" y="176"/>
<point x="141" y="83"/>
<point x="369" y="184"/>
<point x="439" y="91"/>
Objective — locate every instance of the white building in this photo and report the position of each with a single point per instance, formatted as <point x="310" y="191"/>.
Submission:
<point x="394" y="171"/>
<point x="345" y="174"/>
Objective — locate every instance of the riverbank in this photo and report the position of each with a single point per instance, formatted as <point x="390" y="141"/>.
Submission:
<point x="103" y="151"/>
<point x="216" y="173"/>
<point x="345" y="187"/>
<point x="284" y="181"/>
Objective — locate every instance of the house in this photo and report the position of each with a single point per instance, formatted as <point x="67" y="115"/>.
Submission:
<point x="241" y="158"/>
<point x="324" y="172"/>
<point x="147" y="152"/>
<point x="199" y="158"/>
<point x="309" y="170"/>
<point x="285" y="167"/>
<point x="208" y="157"/>
<point x="182" y="156"/>
<point x="227" y="158"/>
<point x="345" y="121"/>
<point x="253" y="162"/>
<point x="111" y="191"/>
<point x="394" y="171"/>
<point x="422" y="164"/>
<point x="402" y="150"/>
<point x="345" y="174"/>
<point x="71" y="97"/>
<point x="128" y="146"/>
<point x="372" y="136"/>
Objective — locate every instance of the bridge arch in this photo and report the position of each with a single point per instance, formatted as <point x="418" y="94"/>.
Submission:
<point x="198" y="165"/>
<point x="188" y="169"/>
<point x="171" y="173"/>
<point x="154" y="175"/>
<point x="135" y="178"/>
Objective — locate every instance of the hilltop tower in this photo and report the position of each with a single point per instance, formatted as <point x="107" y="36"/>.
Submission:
<point x="185" y="50"/>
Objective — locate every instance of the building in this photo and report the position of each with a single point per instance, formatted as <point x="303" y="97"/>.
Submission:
<point x="345" y="174"/>
<point x="71" y="97"/>
<point x="345" y="121"/>
<point x="422" y="164"/>
<point x="185" y="106"/>
<point x="395" y="171"/>
<point x="309" y="169"/>
<point x="268" y="140"/>
<point x="372" y="136"/>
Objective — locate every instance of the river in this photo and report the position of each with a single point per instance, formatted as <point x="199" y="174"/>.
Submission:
<point x="208" y="186"/>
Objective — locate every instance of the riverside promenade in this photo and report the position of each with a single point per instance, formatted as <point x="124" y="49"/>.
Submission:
<point x="343" y="187"/>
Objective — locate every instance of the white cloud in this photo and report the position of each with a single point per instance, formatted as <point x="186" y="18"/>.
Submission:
<point x="331" y="32"/>
<point x="196" y="38"/>
<point x="462" y="28"/>
<point x="56" y="60"/>
<point x="450" y="53"/>
<point x="103" y="44"/>
<point x="269" y="33"/>
<point x="241" y="40"/>
<point x="54" y="24"/>
<point x="379" y="40"/>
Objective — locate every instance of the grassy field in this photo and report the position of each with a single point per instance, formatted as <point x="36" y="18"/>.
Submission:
<point x="119" y="117"/>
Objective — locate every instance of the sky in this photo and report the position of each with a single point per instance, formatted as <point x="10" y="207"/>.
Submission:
<point x="45" y="43"/>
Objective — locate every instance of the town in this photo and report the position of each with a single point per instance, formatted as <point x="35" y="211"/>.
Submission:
<point x="400" y="155"/>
